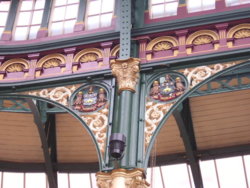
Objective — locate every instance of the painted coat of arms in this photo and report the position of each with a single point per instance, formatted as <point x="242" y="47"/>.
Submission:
<point x="167" y="88"/>
<point x="90" y="99"/>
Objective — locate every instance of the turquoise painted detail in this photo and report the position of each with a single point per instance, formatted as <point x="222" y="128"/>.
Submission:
<point x="224" y="84"/>
<point x="17" y="106"/>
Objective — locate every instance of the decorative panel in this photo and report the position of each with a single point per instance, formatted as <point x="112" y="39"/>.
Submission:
<point x="14" y="69"/>
<point x="52" y="64"/>
<point x="203" y="40"/>
<point x="87" y="60"/>
<point x="162" y="47"/>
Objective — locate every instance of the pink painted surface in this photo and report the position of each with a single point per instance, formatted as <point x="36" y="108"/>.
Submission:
<point x="94" y="66"/>
<point x="53" y="70"/>
<point x="88" y="66"/>
<point x="12" y="75"/>
<point x="42" y="34"/>
<point x="203" y="47"/>
<point x="241" y="41"/>
<point x="79" y="27"/>
<point x="143" y="43"/>
<point x="162" y="53"/>
<point x="107" y="46"/>
<point x="6" y="37"/>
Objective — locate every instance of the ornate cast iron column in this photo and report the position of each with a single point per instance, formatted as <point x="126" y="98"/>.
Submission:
<point x="125" y="173"/>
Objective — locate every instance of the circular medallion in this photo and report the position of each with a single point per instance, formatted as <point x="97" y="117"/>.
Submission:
<point x="89" y="99"/>
<point x="168" y="87"/>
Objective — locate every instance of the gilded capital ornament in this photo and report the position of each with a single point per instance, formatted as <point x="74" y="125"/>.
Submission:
<point x="122" y="178"/>
<point x="126" y="72"/>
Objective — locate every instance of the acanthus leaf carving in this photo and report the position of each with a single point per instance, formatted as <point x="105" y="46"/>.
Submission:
<point x="198" y="74"/>
<point x="98" y="123"/>
<point x="126" y="72"/>
<point x="58" y="94"/>
<point x="154" y="114"/>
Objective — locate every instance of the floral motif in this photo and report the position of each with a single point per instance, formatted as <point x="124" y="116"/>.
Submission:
<point x="90" y="57"/>
<point x="201" y="73"/>
<point x="15" y="67"/>
<point x="203" y="39"/>
<point x="58" y="94"/>
<point x="154" y="114"/>
<point x="164" y="45"/>
<point x="242" y="33"/>
<point x="51" y="63"/>
<point x="126" y="73"/>
<point x="98" y="123"/>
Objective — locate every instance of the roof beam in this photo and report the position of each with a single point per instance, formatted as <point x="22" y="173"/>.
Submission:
<point x="184" y="121"/>
<point x="48" y="163"/>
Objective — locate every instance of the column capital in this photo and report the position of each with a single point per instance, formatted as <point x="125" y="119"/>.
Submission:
<point x="143" y="38"/>
<point x="222" y="26"/>
<point x="122" y="178"/>
<point x="106" y="44"/>
<point x="126" y="72"/>
<point x="181" y="32"/>
<point x="69" y="50"/>
<point x="33" y="56"/>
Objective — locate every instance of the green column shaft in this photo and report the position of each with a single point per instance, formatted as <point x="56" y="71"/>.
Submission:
<point x="46" y="13"/>
<point x="140" y="150"/>
<point x="138" y="13"/>
<point x="81" y="10"/>
<point x="133" y="146"/>
<point x="124" y="124"/>
<point x="12" y="15"/>
<point x="126" y="108"/>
